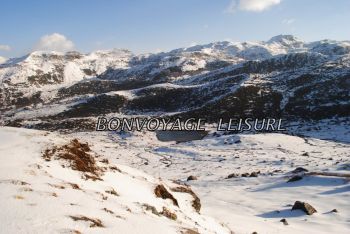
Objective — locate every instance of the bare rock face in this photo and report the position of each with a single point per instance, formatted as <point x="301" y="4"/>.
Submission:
<point x="306" y="207"/>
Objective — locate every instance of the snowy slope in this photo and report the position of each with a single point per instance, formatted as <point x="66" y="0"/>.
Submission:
<point x="45" y="194"/>
<point x="248" y="204"/>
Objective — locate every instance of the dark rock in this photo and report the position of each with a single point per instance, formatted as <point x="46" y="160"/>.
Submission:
<point x="254" y="174"/>
<point x="334" y="211"/>
<point x="295" y="178"/>
<point x="284" y="221"/>
<point x="299" y="169"/>
<point x="306" y="207"/>
<point x="245" y="175"/>
<point x="191" y="177"/>
<point x="305" y="154"/>
<point x="233" y="175"/>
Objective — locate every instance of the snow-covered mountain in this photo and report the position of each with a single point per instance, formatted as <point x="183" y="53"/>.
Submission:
<point x="282" y="77"/>
<point x="82" y="181"/>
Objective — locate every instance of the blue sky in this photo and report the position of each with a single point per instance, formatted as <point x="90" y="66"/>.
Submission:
<point x="157" y="25"/>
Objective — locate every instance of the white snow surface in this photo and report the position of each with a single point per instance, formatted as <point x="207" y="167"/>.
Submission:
<point x="247" y="204"/>
<point x="37" y="196"/>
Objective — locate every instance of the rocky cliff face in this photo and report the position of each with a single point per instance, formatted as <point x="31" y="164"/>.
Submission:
<point x="282" y="77"/>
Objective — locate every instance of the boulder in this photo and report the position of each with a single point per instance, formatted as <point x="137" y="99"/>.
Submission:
<point x="306" y="207"/>
<point x="284" y="221"/>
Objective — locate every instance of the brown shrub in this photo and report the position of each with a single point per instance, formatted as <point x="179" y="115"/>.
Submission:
<point x="78" y="156"/>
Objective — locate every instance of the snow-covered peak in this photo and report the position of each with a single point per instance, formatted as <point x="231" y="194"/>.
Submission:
<point x="277" y="45"/>
<point x="286" y="40"/>
<point x="43" y="67"/>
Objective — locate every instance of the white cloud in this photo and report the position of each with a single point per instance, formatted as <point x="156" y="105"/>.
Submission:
<point x="5" y="47"/>
<point x="288" y="21"/>
<point x="2" y="59"/>
<point x="54" y="42"/>
<point x="251" y="5"/>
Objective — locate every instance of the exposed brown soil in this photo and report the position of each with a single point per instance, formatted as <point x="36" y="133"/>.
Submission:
<point x="162" y="192"/>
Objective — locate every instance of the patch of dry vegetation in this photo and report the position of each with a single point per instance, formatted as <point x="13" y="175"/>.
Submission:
<point x="79" y="157"/>
<point x="94" y="222"/>
<point x="162" y="192"/>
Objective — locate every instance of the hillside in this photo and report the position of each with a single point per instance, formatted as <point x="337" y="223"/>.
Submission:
<point x="282" y="77"/>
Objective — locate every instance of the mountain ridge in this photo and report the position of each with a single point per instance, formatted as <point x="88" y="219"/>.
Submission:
<point x="282" y="77"/>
